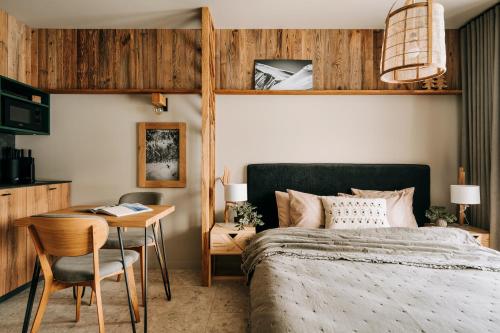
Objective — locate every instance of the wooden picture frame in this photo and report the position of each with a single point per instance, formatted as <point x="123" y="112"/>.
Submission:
<point x="157" y="168"/>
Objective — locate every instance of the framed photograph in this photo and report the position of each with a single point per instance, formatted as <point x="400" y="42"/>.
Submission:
<point x="283" y="74"/>
<point x="161" y="155"/>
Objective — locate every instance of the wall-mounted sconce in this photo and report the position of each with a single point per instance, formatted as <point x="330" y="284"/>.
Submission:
<point x="160" y="102"/>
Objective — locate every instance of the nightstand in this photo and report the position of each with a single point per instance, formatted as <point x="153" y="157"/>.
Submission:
<point x="227" y="240"/>
<point x="483" y="236"/>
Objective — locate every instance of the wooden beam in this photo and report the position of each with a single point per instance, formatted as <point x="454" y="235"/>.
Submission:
<point x="122" y="91"/>
<point x="207" y="139"/>
<point x="336" y="92"/>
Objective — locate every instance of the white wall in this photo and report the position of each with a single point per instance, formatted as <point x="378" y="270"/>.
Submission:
<point x="340" y="129"/>
<point x="93" y="143"/>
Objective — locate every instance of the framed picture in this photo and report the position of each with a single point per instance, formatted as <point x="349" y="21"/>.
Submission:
<point x="161" y="155"/>
<point x="283" y="75"/>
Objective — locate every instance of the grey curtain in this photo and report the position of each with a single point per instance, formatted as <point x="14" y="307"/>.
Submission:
<point x="480" y="133"/>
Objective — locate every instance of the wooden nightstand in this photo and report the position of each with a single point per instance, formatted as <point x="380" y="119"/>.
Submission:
<point x="226" y="240"/>
<point x="483" y="236"/>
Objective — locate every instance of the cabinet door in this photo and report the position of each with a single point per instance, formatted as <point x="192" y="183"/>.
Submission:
<point x="13" y="240"/>
<point x="37" y="203"/>
<point x="58" y="196"/>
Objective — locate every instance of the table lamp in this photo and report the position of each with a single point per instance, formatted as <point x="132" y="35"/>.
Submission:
<point x="233" y="193"/>
<point x="464" y="195"/>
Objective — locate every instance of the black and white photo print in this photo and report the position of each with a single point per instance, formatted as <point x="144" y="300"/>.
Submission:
<point x="162" y="154"/>
<point x="283" y="74"/>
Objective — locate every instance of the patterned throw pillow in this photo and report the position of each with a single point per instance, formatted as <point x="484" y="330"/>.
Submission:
<point x="354" y="213"/>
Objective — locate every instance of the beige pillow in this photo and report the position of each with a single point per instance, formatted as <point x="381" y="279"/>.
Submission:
<point x="355" y="213"/>
<point x="399" y="205"/>
<point x="306" y="210"/>
<point x="283" y="203"/>
<point x="345" y="195"/>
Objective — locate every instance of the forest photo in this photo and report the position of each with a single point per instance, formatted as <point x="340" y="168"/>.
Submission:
<point x="162" y="154"/>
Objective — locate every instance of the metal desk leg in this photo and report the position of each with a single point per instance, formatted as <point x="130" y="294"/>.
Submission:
<point x="132" y="318"/>
<point x="169" y="293"/>
<point x="160" y="261"/>
<point x="146" y="280"/>
<point x="31" y="297"/>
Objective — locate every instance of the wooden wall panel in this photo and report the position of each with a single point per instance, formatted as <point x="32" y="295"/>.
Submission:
<point x="342" y="59"/>
<point x="15" y="48"/>
<point x="117" y="59"/>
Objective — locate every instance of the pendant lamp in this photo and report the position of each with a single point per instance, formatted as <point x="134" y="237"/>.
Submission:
<point x="414" y="42"/>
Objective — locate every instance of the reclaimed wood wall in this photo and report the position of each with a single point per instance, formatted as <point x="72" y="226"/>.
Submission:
<point x="15" y="48"/>
<point x="118" y="59"/>
<point x="110" y="60"/>
<point x="342" y="59"/>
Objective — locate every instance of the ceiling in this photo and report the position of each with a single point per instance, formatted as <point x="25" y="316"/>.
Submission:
<point x="228" y="14"/>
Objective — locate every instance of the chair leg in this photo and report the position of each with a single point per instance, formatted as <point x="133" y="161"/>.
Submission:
<point x="133" y="293"/>
<point x="143" y="267"/>
<point x="78" y="302"/>
<point x="47" y="289"/>
<point x="92" y="297"/>
<point x="100" y="314"/>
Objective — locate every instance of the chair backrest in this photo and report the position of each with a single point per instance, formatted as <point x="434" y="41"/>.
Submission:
<point x="69" y="235"/>
<point x="145" y="198"/>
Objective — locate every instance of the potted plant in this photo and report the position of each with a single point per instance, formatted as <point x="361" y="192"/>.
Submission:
<point x="246" y="215"/>
<point x="439" y="216"/>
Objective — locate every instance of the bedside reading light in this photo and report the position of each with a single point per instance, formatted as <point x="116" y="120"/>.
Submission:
<point x="233" y="193"/>
<point x="465" y="195"/>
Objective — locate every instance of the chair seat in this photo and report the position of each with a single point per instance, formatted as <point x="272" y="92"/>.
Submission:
<point x="131" y="238"/>
<point x="79" y="269"/>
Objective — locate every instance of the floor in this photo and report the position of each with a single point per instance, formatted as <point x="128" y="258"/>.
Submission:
<point x="221" y="308"/>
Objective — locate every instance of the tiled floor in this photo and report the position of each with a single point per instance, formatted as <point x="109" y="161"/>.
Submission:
<point x="222" y="308"/>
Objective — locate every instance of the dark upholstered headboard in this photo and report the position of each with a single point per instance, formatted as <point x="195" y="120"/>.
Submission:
<point x="332" y="178"/>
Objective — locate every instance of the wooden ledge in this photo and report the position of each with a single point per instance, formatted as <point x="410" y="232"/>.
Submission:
<point x="123" y="91"/>
<point x="336" y="92"/>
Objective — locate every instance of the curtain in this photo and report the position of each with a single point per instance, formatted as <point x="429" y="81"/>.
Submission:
<point x="480" y="132"/>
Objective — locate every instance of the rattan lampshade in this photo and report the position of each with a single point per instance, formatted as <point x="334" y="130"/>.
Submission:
<point x="414" y="45"/>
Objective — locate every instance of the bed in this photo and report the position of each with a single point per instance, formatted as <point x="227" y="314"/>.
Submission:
<point x="371" y="280"/>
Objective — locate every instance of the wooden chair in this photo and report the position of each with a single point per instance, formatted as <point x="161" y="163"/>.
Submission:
<point x="75" y="241"/>
<point x="133" y="239"/>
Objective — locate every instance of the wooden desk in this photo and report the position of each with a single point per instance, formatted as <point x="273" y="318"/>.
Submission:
<point x="142" y="220"/>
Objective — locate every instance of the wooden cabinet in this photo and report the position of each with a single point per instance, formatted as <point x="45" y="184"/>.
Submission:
<point x="13" y="256"/>
<point x="17" y="254"/>
<point x="58" y="196"/>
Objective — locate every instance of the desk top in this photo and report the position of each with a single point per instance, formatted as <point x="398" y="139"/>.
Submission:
<point x="141" y="220"/>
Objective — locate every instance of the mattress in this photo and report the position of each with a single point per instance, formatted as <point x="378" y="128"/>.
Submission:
<point x="372" y="280"/>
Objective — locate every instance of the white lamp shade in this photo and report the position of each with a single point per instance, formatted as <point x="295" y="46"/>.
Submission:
<point x="414" y="42"/>
<point x="465" y="194"/>
<point x="235" y="192"/>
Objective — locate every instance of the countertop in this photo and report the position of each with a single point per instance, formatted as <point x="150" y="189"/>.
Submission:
<point x="37" y="183"/>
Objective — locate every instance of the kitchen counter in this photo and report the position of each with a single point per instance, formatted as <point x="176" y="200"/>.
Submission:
<point x="37" y="183"/>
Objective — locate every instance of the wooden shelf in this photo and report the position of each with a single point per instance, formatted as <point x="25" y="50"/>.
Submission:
<point x="123" y="91"/>
<point x="336" y="92"/>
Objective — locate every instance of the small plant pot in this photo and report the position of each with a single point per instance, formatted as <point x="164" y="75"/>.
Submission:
<point x="441" y="223"/>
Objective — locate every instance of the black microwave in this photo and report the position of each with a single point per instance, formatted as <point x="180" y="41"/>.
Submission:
<point x="23" y="114"/>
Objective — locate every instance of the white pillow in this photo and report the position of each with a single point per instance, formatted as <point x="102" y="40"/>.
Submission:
<point x="354" y="213"/>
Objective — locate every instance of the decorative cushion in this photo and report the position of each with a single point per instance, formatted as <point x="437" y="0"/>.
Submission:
<point x="306" y="210"/>
<point x="354" y="213"/>
<point x="133" y="237"/>
<point x="79" y="269"/>
<point x="399" y="205"/>
<point x="283" y="203"/>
